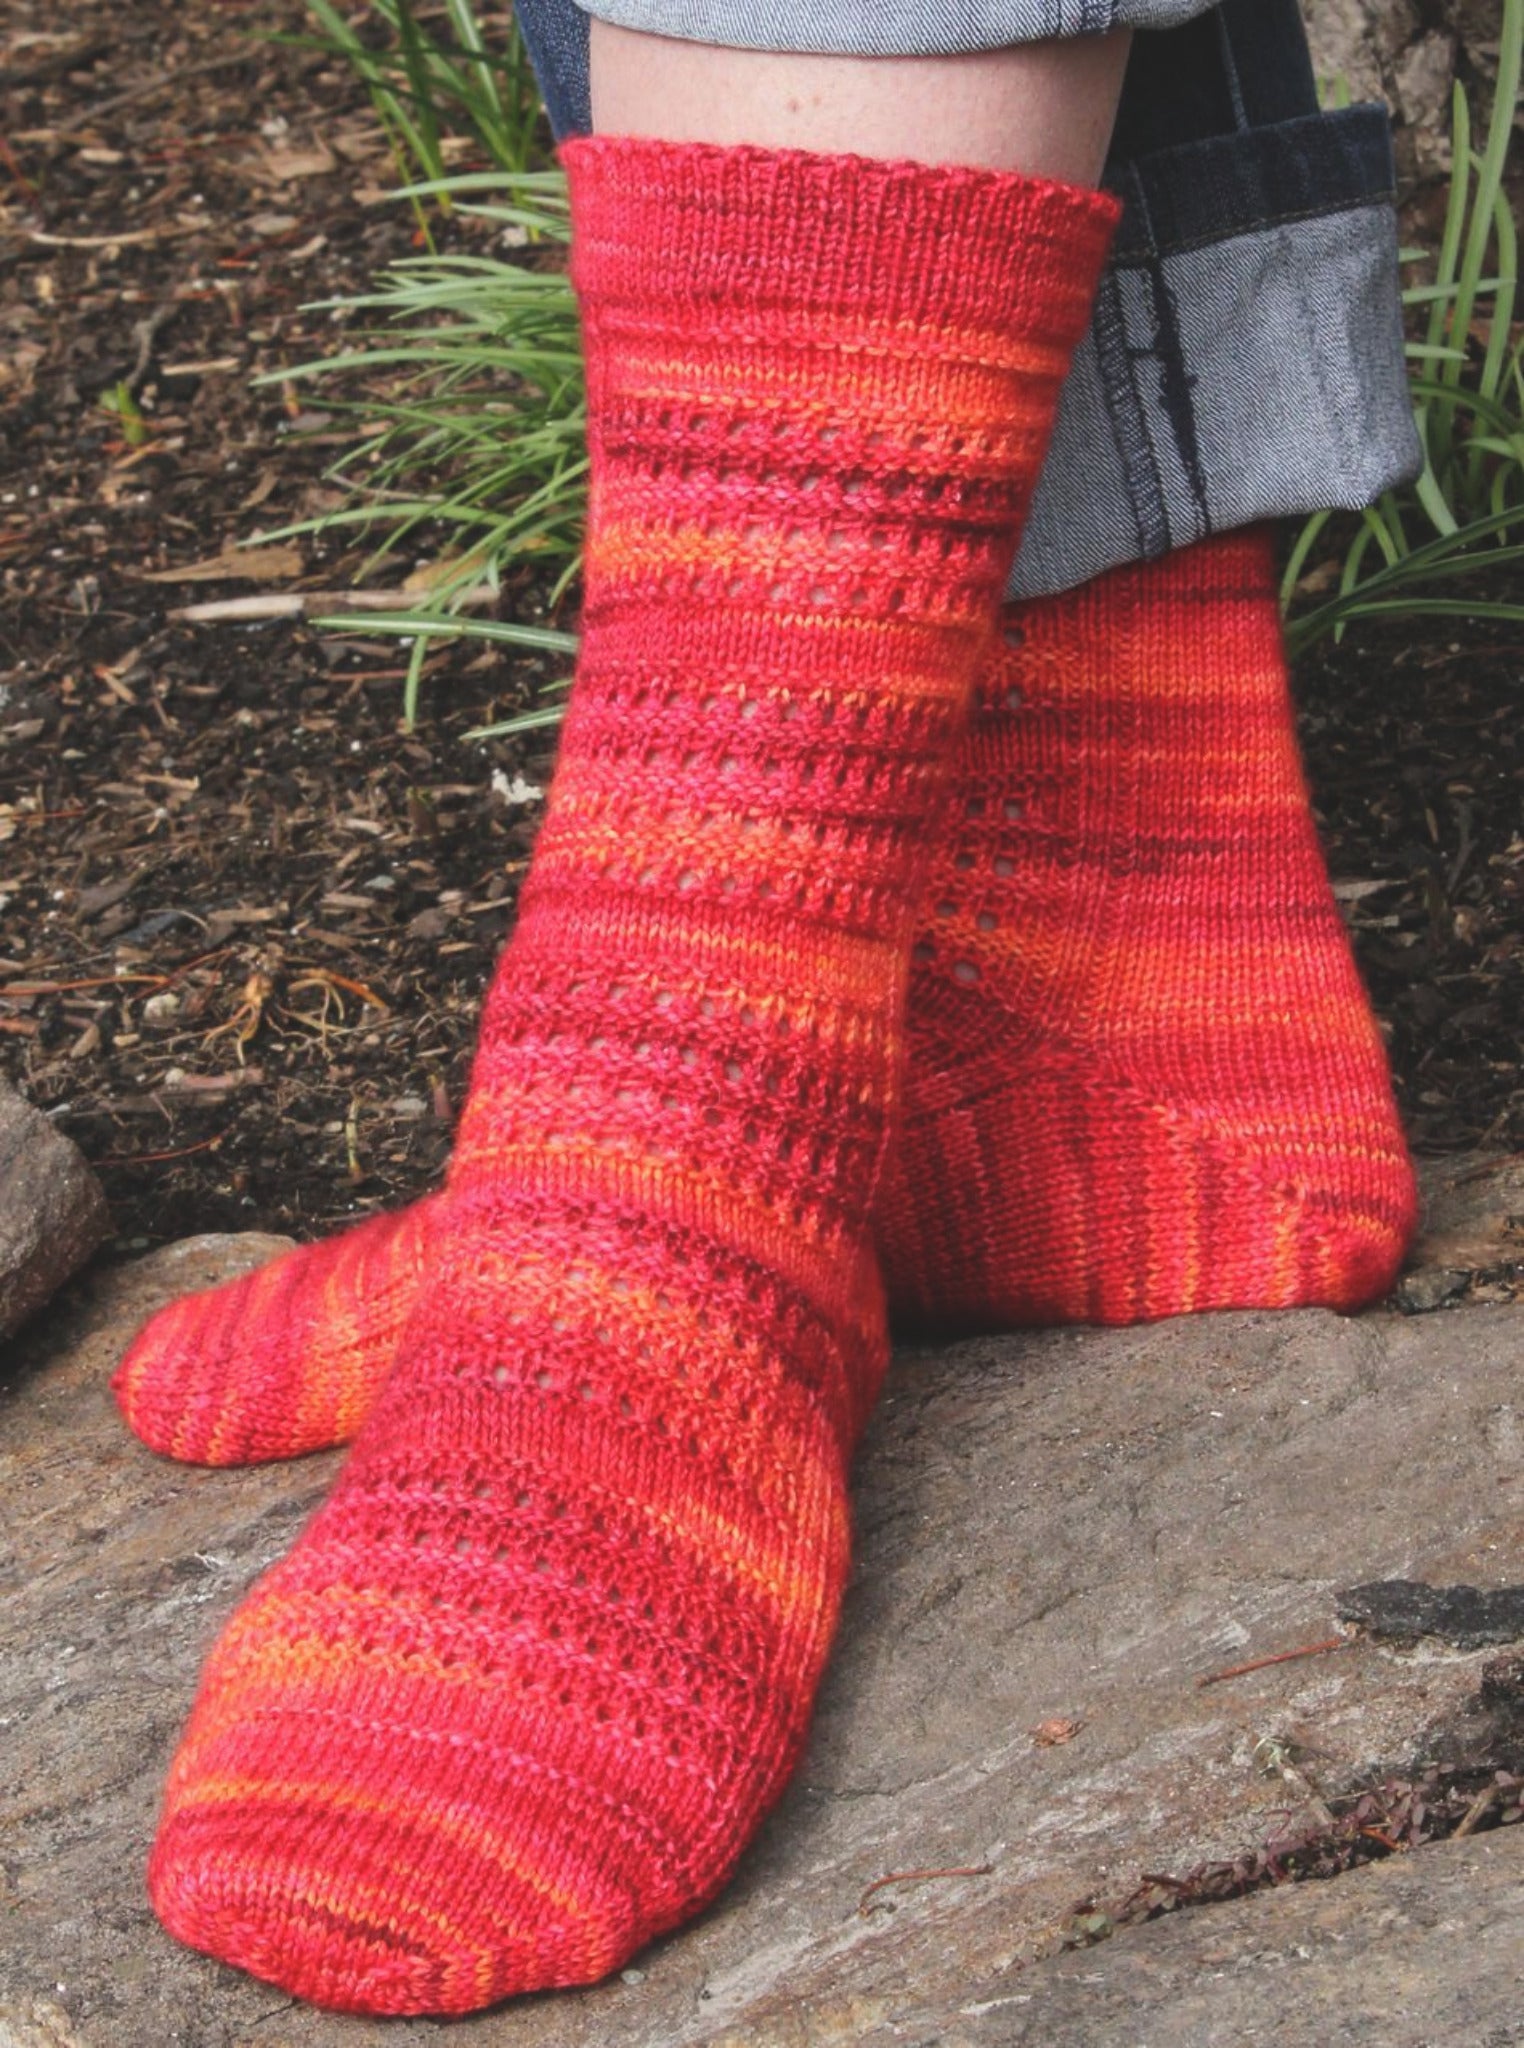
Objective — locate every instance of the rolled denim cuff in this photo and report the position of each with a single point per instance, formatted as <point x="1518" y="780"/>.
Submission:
<point x="887" y="28"/>
<point x="1245" y="360"/>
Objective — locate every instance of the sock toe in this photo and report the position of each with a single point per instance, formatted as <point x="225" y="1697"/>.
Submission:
<point x="355" y="1910"/>
<point x="282" y="1361"/>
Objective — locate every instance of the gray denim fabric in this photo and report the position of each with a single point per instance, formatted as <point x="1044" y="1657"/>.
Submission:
<point x="887" y="28"/>
<point x="1298" y="397"/>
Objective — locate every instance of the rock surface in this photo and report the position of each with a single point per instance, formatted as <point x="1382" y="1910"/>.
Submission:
<point x="1418" y="1952"/>
<point x="1059" y="1536"/>
<point x="52" y="1212"/>
<point x="1397" y="51"/>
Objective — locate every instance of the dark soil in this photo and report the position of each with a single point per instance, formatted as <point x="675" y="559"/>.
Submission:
<point x="246" y="918"/>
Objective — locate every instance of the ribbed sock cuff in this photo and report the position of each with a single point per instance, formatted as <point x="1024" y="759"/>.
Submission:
<point x="955" y="248"/>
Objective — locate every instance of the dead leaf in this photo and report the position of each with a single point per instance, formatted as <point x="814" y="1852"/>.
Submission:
<point x="445" y="570"/>
<point x="1058" y="1729"/>
<point x="1322" y="578"/>
<point x="105" y="895"/>
<point x="275" y="564"/>
<point x="268" y="480"/>
<point x="287" y="165"/>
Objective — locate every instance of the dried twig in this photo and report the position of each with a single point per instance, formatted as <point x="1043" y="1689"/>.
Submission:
<point x="1280" y="1657"/>
<point x="43" y="240"/>
<point x="921" y="1877"/>
<point x="302" y="604"/>
<point x="1476" y="1811"/>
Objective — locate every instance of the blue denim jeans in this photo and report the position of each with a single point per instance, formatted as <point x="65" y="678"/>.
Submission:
<point x="1245" y="359"/>
<point x="889" y="28"/>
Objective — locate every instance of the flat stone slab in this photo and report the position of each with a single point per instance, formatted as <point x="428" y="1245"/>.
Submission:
<point x="1060" y="1535"/>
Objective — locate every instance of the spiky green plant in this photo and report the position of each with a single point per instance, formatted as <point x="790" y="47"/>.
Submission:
<point x="468" y="381"/>
<point x="441" y="70"/>
<point x="1465" y="513"/>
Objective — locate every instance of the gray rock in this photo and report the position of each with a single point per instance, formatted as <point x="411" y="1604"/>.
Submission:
<point x="1430" y="1288"/>
<point x="52" y="1212"/>
<point x="1060" y="1536"/>
<point x="1422" y="84"/>
<point x="41" y="2024"/>
<point x="1473" y="1215"/>
<point x="1392" y="50"/>
<point x="1357" y="43"/>
<point x="1418" y="1952"/>
<point x="1464" y="1617"/>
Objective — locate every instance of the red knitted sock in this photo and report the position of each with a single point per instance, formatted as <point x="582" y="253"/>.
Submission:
<point x="286" y="1359"/>
<point x="523" y="1690"/>
<point x="1091" y="1135"/>
<point x="1144" y="1076"/>
<point x="290" y="1358"/>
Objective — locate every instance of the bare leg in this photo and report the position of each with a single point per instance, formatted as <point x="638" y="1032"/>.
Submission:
<point x="1045" y="109"/>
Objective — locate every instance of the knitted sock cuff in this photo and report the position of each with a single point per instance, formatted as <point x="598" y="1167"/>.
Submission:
<point x="706" y="227"/>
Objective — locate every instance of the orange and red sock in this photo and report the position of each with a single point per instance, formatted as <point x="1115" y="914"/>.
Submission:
<point x="1144" y="1076"/>
<point x="286" y="1359"/>
<point x="520" y="1695"/>
<point x="1098" y="1128"/>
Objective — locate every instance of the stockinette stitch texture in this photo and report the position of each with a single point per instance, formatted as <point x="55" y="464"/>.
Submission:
<point x="286" y="1359"/>
<point x="528" y="1682"/>
<point x="1145" y="1079"/>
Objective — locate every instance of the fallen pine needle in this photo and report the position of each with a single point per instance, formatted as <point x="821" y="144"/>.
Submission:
<point x="151" y="981"/>
<point x="921" y="1877"/>
<point x="1280" y="1657"/>
<point x="326" y="977"/>
<point x="60" y="988"/>
<point x="153" y="1158"/>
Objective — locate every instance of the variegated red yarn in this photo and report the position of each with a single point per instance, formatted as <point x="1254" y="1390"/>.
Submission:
<point x="1098" y="1127"/>
<point x="523" y="1690"/>
<point x="1144" y="1077"/>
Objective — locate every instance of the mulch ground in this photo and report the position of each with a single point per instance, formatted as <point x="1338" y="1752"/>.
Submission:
<point x="245" y="917"/>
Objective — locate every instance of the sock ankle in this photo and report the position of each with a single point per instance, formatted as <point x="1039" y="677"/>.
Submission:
<point x="1145" y="1078"/>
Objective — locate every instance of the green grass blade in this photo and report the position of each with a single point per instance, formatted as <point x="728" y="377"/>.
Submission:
<point x="437" y="625"/>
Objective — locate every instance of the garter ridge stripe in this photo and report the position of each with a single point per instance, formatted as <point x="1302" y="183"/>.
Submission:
<point x="526" y="1686"/>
